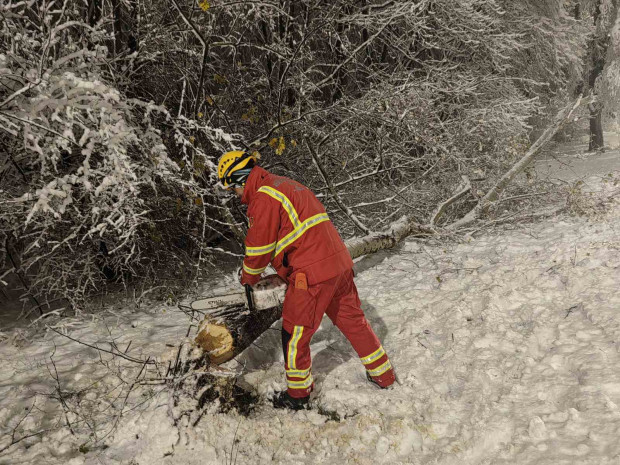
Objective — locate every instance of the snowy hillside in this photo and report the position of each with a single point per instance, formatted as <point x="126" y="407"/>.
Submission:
<point x="507" y="346"/>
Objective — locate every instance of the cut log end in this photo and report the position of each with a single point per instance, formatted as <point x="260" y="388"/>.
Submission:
<point x="224" y="340"/>
<point x="216" y="341"/>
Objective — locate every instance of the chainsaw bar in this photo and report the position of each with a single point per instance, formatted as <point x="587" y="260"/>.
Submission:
<point x="262" y="299"/>
<point x="219" y="301"/>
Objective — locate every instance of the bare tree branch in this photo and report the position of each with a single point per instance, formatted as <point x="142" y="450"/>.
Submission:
<point x="346" y="210"/>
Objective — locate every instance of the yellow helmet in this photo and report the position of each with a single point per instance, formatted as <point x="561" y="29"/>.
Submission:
<point x="234" y="168"/>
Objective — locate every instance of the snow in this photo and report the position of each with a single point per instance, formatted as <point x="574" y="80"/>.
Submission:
<point x="506" y="345"/>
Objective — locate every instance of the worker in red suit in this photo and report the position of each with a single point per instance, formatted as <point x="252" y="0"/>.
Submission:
<point x="289" y="228"/>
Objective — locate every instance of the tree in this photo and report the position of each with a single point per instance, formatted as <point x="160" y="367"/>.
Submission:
<point x="604" y="18"/>
<point x="90" y="191"/>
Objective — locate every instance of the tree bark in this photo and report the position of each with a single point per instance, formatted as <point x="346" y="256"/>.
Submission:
<point x="597" y="54"/>
<point x="462" y="192"/>
<point x="597" y="141"/>
<point x="241" y="327"/>
<point x="125" y="37"/>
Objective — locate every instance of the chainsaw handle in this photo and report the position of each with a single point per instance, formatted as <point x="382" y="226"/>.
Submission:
<point x="249" y="296"/>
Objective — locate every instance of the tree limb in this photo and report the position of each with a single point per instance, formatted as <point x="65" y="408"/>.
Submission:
<point x="440" y="210"/>
<point x="561" y="118"/>
<point x="346" y="210"/>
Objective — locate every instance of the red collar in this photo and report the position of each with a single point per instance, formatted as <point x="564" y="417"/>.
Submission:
<point x="256" y="179"/>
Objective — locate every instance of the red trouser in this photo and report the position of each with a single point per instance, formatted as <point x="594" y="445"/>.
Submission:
<point x="302" y="314"/>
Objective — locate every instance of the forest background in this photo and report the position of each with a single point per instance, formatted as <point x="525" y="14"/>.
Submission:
<point x="113" y="114"/>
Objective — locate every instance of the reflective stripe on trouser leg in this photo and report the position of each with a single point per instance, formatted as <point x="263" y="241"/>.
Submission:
<point x="291" y="353"/>
<point x="379" y="367"/>
<point x="296" y="348"/>
<point x="299" y="384"/>
<point x="346" y="312"/>
<point x="373" y="357"/>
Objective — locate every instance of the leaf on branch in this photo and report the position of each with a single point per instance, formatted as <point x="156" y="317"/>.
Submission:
<point x="220" y="79"/>
<point x="204" y="5"/>
<point x="278" y="144"/>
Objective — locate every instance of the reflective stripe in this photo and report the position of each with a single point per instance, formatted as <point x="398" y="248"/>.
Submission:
<point x="254" y="271"/>
<point x="298" y="228"/>
<point x="286" y="203"/>
<point x="298" y="232"/>
<point x="306" y="383"/>
<point x="380" y="369"/>
<point x="292" y="346"/>
<point x="262" y="250"/>
<point x="298" y="373"/>
<point x="376" y="355"/>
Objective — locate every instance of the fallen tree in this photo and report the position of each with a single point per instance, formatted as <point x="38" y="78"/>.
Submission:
<point x="493" y="194"/>
<point x="229" y="330"/>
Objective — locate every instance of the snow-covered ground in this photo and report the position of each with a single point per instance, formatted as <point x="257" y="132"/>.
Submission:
<point x="507" y="346"/>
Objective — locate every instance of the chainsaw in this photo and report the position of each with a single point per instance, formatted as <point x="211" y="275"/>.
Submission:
<point x="269" y="292"/>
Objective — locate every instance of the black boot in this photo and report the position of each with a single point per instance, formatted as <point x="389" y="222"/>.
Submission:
<point x="369" y="378"/>
<point x="282" y="399"/>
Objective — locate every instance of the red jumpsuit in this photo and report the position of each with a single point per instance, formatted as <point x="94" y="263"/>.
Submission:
<point x="290" y="229"/>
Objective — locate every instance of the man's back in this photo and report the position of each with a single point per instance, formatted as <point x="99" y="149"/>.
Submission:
<point x="286" y="216"/>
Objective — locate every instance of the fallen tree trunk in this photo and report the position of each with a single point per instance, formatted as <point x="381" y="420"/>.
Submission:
<point x="386" y="240"/>
<point x="226" y="336"/>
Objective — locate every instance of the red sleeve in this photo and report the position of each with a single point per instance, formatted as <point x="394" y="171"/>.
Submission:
<point x="260" y="242"/>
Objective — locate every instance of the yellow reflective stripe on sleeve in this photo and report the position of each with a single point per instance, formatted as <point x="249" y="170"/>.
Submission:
<point x="292" y="347"/>
<point x="298" y="373"/>
<point x="306" y="383"/>
<point x="249" y="270"/>
<point x="380" y="369"/>
<point x="286" y="203"/>
<point x="377" y="354"/>
<point x="262" y="250"/>
<point x="298" y="232"/>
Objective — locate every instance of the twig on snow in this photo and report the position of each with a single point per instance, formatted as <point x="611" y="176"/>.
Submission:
<point x="111" y="352"/>
<point x="14" y="432"/>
